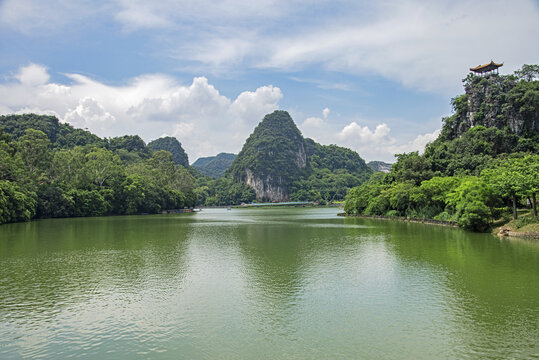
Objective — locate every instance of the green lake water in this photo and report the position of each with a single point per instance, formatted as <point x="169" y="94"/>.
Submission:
<point x="298" y="283"/>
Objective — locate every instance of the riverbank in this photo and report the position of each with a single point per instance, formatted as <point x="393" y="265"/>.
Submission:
<point x="526" y="226"/>
<point x="507" y="230"/>
<point x="404" y="219"/>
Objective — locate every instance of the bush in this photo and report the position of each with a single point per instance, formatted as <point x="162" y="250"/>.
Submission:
<point x="473" y="216"/>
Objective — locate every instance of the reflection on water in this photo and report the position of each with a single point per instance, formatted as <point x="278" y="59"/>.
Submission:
<point x="264" y="284"/>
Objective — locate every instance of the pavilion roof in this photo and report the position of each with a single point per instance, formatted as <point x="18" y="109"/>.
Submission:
<point x="487" y="67"/>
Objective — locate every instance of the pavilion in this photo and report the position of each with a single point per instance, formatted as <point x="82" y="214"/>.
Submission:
<point x="487" y="69"/>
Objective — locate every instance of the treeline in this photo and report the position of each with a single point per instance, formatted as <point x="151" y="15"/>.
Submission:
<point x="473" y="202"/>
<point x="48" y="169"/>
<point x="222" y="192"/>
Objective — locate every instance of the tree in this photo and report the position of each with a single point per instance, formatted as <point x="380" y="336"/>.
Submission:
<point x="34" y="147"/>
<point x="100" y="165"/>
<point x="11" y="164"/>
<point x="412" y="167"/>
<point x="473" y="203"/>
<point x="528" y="72"/>
<point x="16" y="203"/>
<point x="506" y="179"/>
<point x="528" y="167"/>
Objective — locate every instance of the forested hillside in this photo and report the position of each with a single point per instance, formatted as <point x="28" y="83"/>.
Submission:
<point x="483" y="166"/>
<point x="280" y="165"/>
<point x="214" y="166"/>
<point x="49" y="169"/>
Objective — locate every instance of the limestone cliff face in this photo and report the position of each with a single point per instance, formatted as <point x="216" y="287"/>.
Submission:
<point x="268" y="188"/>
<point x="272" y="158"/>
<point x="496" y="101"/>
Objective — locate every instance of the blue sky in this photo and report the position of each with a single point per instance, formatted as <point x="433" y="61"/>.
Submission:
<point x="373" y="76"/>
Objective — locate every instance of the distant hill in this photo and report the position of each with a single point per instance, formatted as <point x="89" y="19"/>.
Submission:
<point x="173" y="146"/>
<point x="379" y="166"/>
<point x="280" y="165"/>
<point x="214" y="166"/>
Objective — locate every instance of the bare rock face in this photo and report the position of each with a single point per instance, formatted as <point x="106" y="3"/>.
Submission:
<point x="267" y="188"/>
<point x="272" y="158"/>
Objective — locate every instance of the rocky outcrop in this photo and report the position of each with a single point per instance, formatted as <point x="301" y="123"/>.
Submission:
<point x="380" y="166"/>
<point x="496" y="101"/>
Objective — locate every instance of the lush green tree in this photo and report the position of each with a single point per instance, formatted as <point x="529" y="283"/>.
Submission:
<point x="11" y="164"/>
<point x="400" y="195"/>
<point x="358" y="199"/>
<point x="507" y="179"/>
<point x="16" y="202"/>
<point x="411" y="167"/>
<point x="89" y="202"/>
<point x="529" y="166"/>
<point x="473" y="203"/>
<point x="528" y="72"/>
<point x="99" y="166"/>
<point x="53" y="201"/>
<point x="34" y="147"/>
<point x="434" y="192"/>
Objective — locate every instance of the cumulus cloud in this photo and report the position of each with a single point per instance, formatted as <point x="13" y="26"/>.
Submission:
<point x="417" y="144"/>
<point x="205" y="121"/>
<point x="89" y="114"/>
<point x="372" y="143"/>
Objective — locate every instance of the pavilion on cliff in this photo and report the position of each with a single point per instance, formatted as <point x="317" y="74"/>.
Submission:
<point x="487" y="69"/>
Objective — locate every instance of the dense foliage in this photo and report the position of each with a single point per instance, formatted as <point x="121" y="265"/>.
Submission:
<point x="330" y="172"/>
<point x="173" y="146"/>
<point x="214" y="166"/>
<point x="47" y="174"/>
<point x="470" y="174"/>
<point x="223" y="191"/>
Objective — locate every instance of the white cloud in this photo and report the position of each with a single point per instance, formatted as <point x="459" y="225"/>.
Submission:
<point x="312" y="122"/>
<point x="205" y="121"/>
<point x="376" y="143"/>
<point x="362" y="134"/>
<point x="417" y="144"/>
<point x="33" y="75"/>
<point x="325" y="113"/>
<point x="90" y="114"/>
<point x="379" y="144"/>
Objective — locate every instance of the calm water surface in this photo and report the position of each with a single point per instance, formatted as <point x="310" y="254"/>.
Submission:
<point x="264" y="284"/>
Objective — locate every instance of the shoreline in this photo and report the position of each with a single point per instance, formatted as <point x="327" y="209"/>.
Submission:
<point x="505" y="231"/>
<point x="404" y="219"/>
<point x="501" y="232"/>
